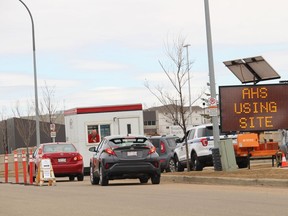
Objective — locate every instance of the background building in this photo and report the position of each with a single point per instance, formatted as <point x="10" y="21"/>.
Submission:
<point x="157" y="121"/>
<point x="11" y="139"/>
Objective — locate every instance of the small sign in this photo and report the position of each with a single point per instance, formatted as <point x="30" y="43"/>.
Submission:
<point x="45" y="173"/>
<point x="212" y="101"/>
<point x="213" y="111"/>
<point x="46" y="163"/>
<point x="52" y="127"/>
<point x="53" y="133"/>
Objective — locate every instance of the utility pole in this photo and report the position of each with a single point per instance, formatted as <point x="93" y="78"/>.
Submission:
<point x="35" y="78"/>
<point x="215" y="150"/>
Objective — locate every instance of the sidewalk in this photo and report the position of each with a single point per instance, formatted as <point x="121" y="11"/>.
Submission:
<point x="260" y="174"/>
<point x="174" y="178"/>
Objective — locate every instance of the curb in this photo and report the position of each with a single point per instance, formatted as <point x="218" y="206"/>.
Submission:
<point x="224" y="181"/>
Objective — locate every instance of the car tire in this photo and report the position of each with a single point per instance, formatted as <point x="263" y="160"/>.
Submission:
<point x="143" y="180"/>
<point x="242" y="164"/>
<point x="195" y="163"/>
<point x="178" y="166"/>
<point x="155" y="179"/>
<point x="71" y="178"/>
<point x="171" y="165"/>
<point x="80" y="177"/>
<point x="103" y="178"/>
<point x="94" y="180"/>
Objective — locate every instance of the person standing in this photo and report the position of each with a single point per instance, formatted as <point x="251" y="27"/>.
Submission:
<point x="93" y="137"/>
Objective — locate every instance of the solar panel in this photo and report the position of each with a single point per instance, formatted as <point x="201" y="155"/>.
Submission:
<point x="254" y="69"/>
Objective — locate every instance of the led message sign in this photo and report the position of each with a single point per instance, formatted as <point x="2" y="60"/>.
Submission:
<point x="253" y="107"/>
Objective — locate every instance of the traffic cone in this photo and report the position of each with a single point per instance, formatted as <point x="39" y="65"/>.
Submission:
<point x="284" y="162"/>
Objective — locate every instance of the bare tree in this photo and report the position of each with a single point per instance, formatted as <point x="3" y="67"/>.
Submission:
<point x="177" y="73"/>
<point x="3" y="132"/>
<point x="25" y="123"/>
<point x="48" y="110"/>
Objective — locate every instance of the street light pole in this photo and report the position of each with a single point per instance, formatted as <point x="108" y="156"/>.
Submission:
<point x="35" y="78"/>
<point x="188" y="70"/>
<point x="215" y="151"/>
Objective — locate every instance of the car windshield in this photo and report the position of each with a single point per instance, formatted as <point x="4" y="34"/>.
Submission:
<point x="126" y="142"/>
<point x="58" y="148"/>
<point x="207" y="131"/>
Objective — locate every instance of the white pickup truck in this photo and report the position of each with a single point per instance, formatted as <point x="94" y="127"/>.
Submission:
<point x="200" y="144"/>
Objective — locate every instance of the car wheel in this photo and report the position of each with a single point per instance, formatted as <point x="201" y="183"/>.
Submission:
<point x="178" y="166"/>
<point x="171" y="166"/>
<point x="103" y="178"/>
<point x="242" y="164"/>
<point x="155" y="179"/>
<point x="143" y="180"/>
<point x="93" y="179"/>
<point x="80" y="177"/>
<point x="71" y="178"/>
<point x="195" y="163"/>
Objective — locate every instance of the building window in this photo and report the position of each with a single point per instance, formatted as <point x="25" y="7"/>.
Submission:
<point x="149" y="123"/>
<point x="97" y="132"/>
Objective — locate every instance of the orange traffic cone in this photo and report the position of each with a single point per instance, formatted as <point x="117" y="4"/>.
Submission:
<point x="284" y="162"/>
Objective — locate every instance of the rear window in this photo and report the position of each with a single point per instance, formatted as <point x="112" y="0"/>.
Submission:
<point x="203" y="132"/>
<point x="59" y="148"/>
<point x="172" y="142"/>
<point x="208" y="131"/>
<point x="155" y="142"/>
<point x="120" y="142"/>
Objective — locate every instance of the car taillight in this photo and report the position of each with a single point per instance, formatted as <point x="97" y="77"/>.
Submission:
<point x="204" y="141"/>
<point x="162" y="147"/>
<point x="109" y="151"/>
<point x="152" y="150"/>
<point x="78" y="158"/>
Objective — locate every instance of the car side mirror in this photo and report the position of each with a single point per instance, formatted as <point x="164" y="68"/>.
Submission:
<point x="93" y="149"/>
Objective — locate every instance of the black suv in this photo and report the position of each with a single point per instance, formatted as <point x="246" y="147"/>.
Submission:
<point x="165" y="146"/>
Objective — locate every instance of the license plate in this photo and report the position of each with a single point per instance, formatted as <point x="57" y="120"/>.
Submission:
<point x="62" y="160"/>
<point x="132" y="153"/>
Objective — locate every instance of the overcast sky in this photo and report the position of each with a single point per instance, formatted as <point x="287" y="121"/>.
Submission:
<point x="100" y="52"/>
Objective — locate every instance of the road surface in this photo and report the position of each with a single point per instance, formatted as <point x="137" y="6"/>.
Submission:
<point x="130" y="198"/>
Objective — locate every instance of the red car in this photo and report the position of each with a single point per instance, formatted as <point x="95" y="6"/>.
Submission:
<point x="65" y="160"/>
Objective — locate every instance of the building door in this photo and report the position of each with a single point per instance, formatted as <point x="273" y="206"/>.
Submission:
<point x="129" y="126"/>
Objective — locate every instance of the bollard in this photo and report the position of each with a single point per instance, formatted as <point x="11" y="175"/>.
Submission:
<point x="31" y="166"/>
<point x="37" y="171"/>
<point x="16" y="167"/>
<point x="24" y="165"/>
<point x="6" y="168"/>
